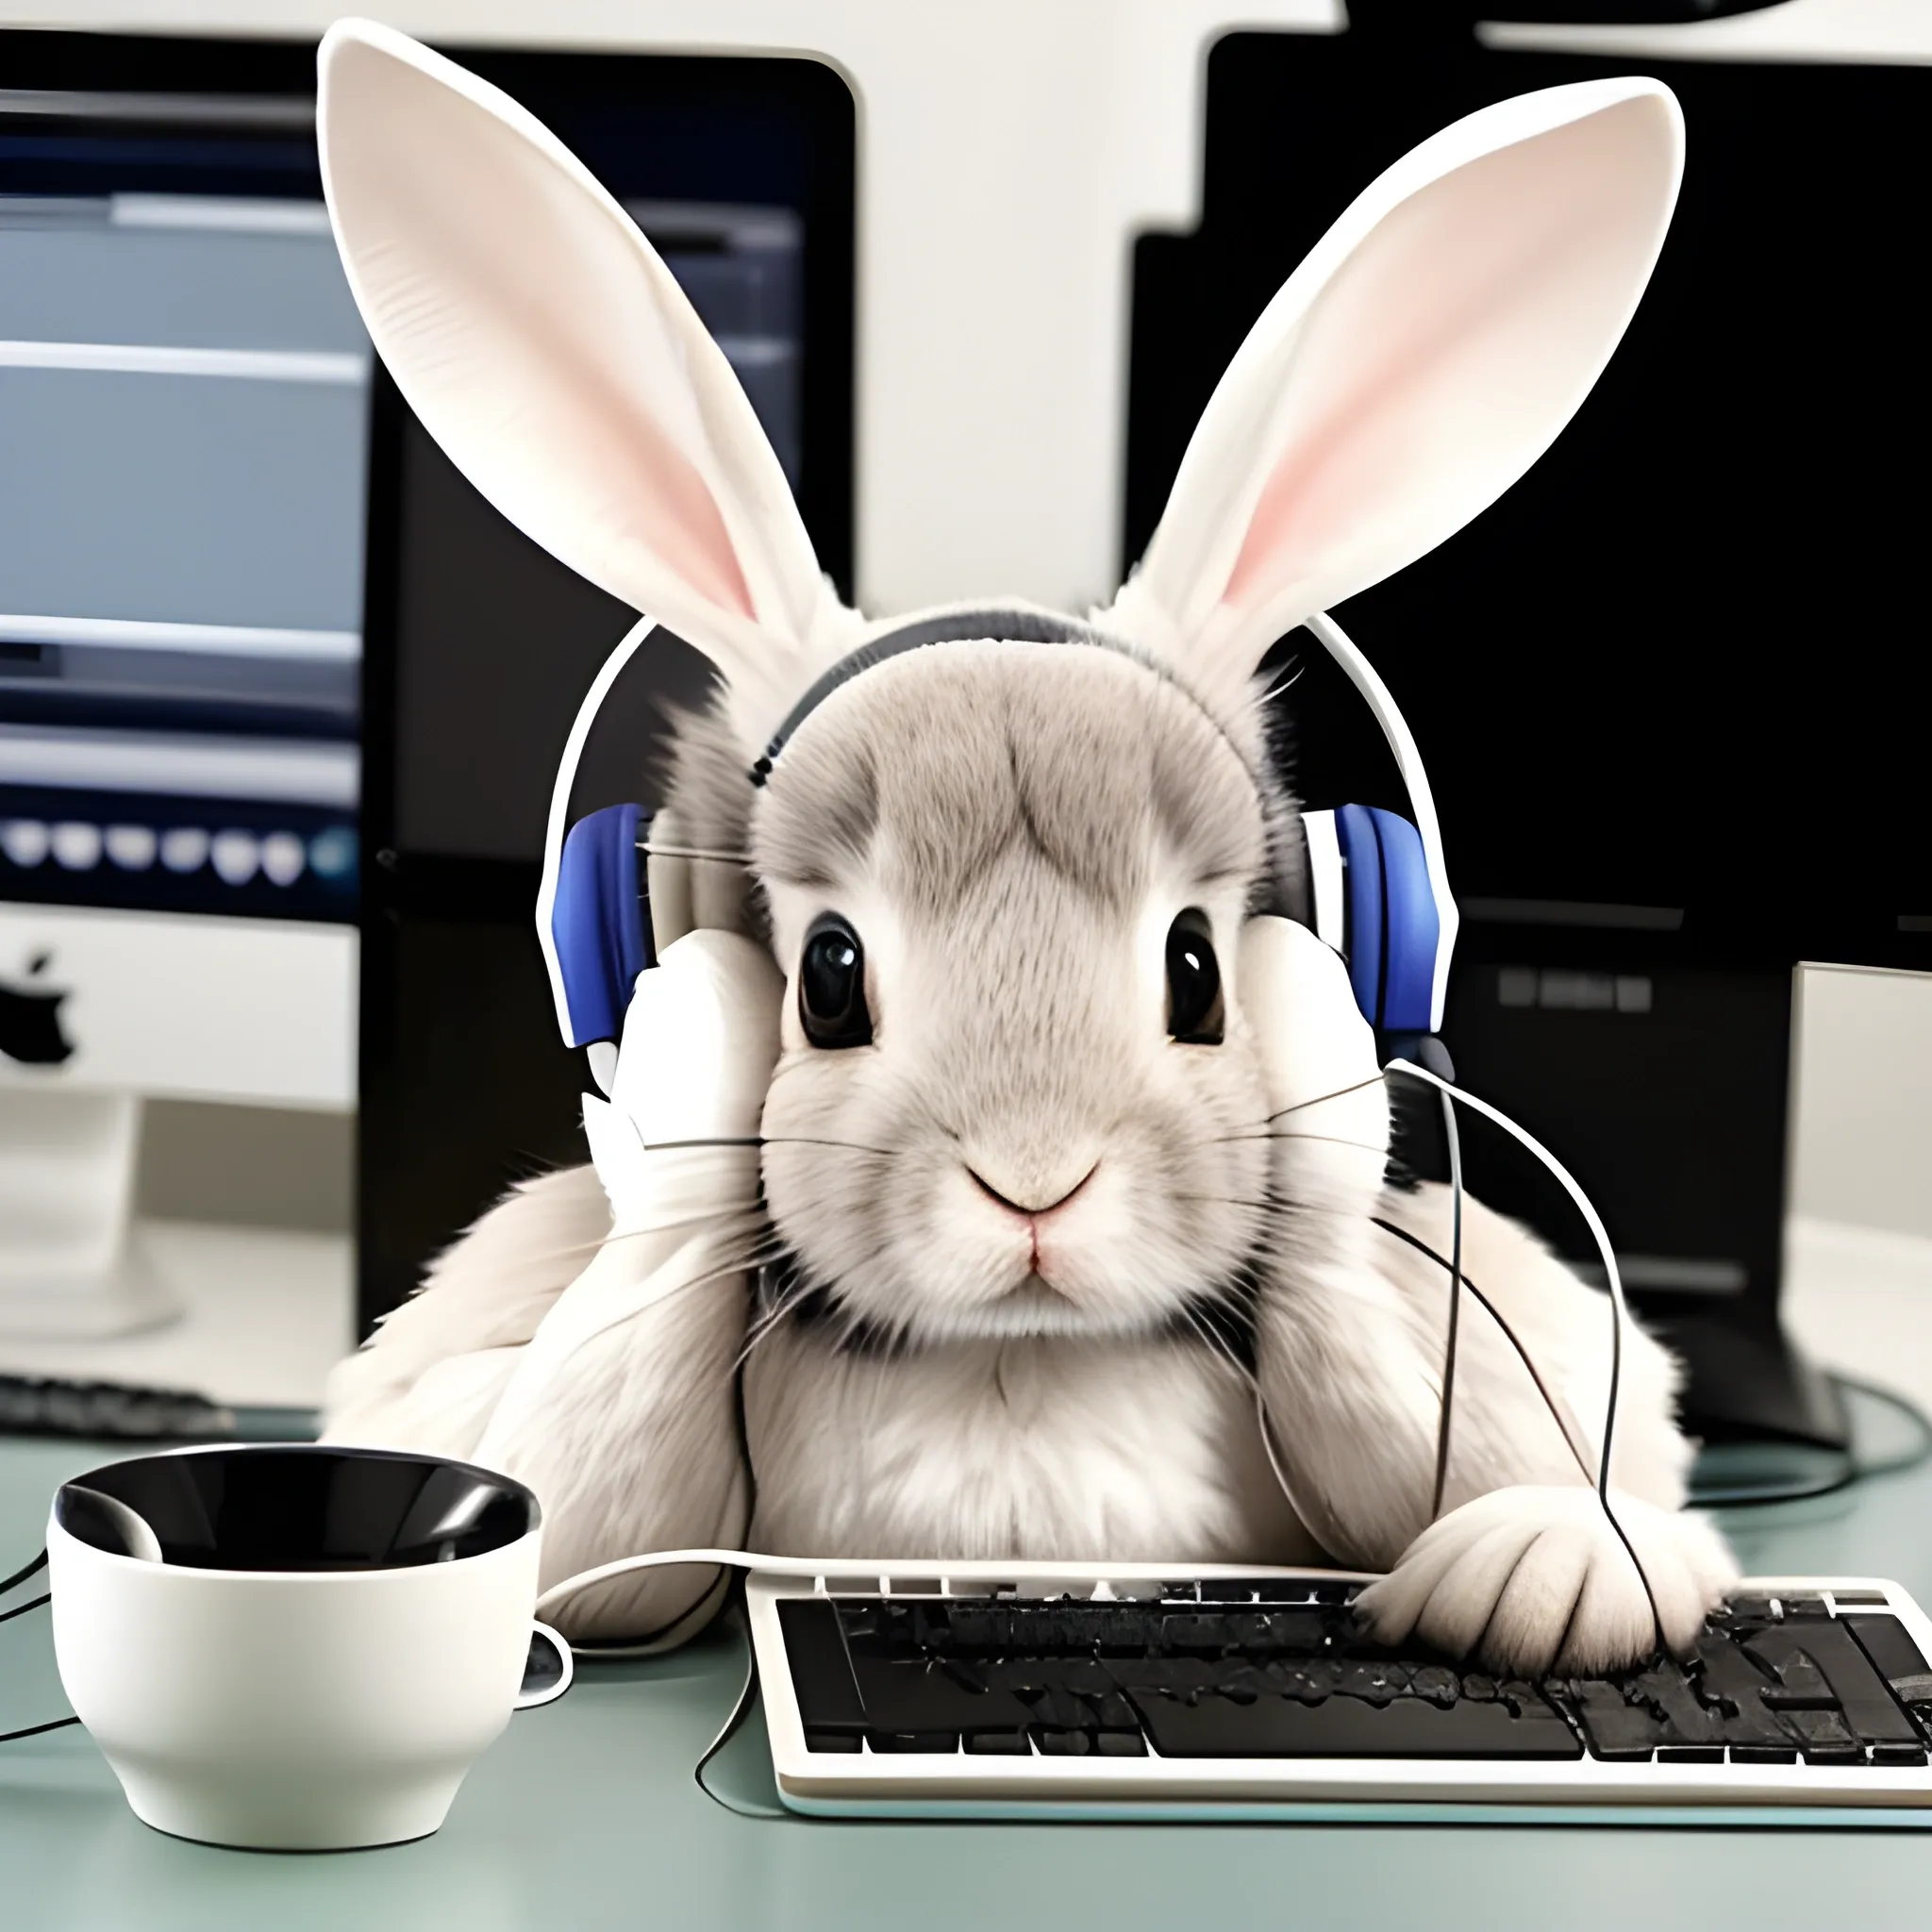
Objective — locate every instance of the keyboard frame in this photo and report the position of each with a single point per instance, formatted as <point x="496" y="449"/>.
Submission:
<point x="881" y="1784"/>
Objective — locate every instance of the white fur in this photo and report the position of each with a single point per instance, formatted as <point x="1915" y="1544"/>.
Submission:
<point x="1036" y="1447"/>
<point x="431" y="1375"/>
<point x="969" y="1363"/>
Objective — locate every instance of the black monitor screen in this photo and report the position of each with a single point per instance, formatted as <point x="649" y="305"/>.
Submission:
<point x="1678" y="667"/>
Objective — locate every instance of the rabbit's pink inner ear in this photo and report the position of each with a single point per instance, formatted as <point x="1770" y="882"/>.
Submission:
<point x="1332" y="493"/>
<point x="1443" y="355"/>
<point x="681" y="521"/>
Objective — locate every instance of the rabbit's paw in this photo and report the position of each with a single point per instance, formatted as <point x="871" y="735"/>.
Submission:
<point x="1532" y="1578"/>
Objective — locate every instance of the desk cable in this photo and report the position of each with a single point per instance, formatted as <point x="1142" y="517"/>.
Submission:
<point x="33" y="1603"/>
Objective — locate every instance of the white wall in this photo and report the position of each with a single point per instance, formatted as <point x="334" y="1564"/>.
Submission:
<point x="1862" y="1138"/>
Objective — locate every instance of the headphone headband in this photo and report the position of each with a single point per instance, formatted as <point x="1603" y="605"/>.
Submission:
<point x="948" y="628"/>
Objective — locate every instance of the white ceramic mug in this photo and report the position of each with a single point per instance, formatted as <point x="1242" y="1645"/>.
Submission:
<point x="296" y="1646"/>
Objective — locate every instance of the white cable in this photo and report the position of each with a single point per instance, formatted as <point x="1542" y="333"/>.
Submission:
<point x="1620" y="1314"/>
<point x="1415" y="781"/>
<point x="653" y="850"/>
<point x="559" y="803"/>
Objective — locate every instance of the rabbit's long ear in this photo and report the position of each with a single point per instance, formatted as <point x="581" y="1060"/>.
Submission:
<point x="549" y="351"/>
<point x="1425" y="355"/>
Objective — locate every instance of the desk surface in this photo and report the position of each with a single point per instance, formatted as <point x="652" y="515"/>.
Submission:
<point x="586" y="1814"/>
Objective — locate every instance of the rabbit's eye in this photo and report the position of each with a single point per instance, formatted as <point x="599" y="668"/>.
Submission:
<point x="831" y="985"/>
<point x="1195" y="1012"/>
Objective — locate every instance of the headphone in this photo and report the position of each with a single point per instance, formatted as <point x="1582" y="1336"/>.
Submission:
<point x="1378" y="892"/>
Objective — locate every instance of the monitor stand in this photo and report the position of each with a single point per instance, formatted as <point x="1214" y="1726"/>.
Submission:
<point x="1751" y="1383"/>
<point x="69" y="1266"/>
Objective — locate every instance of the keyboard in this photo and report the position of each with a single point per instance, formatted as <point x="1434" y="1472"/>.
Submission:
<point x="108" y="1411"/>
<point x="994" y="1690"/>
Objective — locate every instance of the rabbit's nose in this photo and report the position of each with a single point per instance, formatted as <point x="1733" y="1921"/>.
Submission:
<point x="1037" y="1199"/>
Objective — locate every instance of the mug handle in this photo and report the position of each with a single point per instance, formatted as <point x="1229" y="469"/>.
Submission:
<point x="548" y="1670"/>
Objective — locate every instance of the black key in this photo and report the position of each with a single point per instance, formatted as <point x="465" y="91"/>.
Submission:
<point x="1825" y="1654"/>
<point x="1063" y="1744"/>
<point x="832" y="1740"/>
<point x="1764" y="1754"/>
<point x="1378" y="1683"/>
<point x="1682" y="1714"/>
<point x="1729" y="1680"/>
<point x="998" y="1745"/>
<point x="821" y="1669"/>
<point x="1898" y="1753"/>
<point x="1349" y="1727"/>
<point x="1303" y="1628"/>
<point x="1229" y="1589"/>
<point x="915" y="1697"/>
<point x="1435" y="1684"/>
<point x="1204" y="1634"/>
<point x="857" y="1619"/>
<point x="1619" y="1732"/>
<point x="1823" y="1738"/>
<point x="1842" y="1597"/>
<point x="1244" y="1683"/>
<point x="1123" y="1631"/>
<point x="1120" y="1744"/>
<point x="1183" y="1674"/>
<point x="1899" y="1661"/>
<point x="1085" y="1676"/>
<point x="1690" y="1754"/>
<point x="1310" y="1681"/>
<point x="1055" y="1706"/>
<point x="918" y="1742"/>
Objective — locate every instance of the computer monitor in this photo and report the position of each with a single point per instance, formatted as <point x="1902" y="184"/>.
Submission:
<point x="1669" y="688"/>
<point x="184" y="403"/>
<point x="479" y="645"/>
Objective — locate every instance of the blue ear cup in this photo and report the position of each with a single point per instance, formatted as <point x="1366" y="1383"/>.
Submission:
<point x="1393" y="930"/>
<point x="600" y="921"/>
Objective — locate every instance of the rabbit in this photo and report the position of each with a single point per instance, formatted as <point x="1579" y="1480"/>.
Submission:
<point x="987" y="1169"/>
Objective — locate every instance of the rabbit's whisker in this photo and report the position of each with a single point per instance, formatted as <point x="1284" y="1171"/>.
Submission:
<point x="766" y="1322"/>
<point x="1321" y="1099"/>
<point x="810" y="1141"/>
<point x="671" y="1227"/>
<point x="1229" y="1201"/>
<point x="1332" y="1140"/>
<point x="573" y="1250"/>
<point x="1274" y="691"/>
<point x="708" y="1141"/>
<point x="764" y="1140"/>
<point x="1215" y="1346"/>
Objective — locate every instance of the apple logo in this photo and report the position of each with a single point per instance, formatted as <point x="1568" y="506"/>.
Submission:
<point x="30" y="1019"/>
